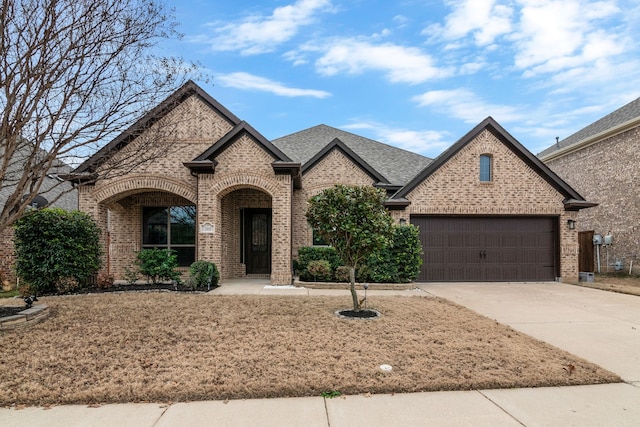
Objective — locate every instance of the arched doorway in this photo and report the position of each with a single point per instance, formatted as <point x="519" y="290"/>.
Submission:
<point x="246" y="217"/>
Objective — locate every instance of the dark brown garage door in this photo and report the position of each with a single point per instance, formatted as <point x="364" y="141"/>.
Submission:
<point x="478" y="249"/>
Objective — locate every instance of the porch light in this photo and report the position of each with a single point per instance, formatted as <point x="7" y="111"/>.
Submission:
<point x="571" y="224"/>
<point x="403" y="221"/>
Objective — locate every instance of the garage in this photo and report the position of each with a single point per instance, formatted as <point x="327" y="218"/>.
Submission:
<point x="488" y="249"/>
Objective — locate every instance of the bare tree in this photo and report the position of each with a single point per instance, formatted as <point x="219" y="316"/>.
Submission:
<point x="73" y="74"/>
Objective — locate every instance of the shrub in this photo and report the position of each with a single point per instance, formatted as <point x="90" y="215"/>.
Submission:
<point x="104" y="281"/>
<point x="203" y="274"/>
<point x="342" y="274"/>
<point x="320" y="270"/>
<point x="400" y="260"/>
<point x="131" y="275"/>
<point x="56" y="249"/>
<point x="158" y="264"/>
<point x="308" y="254"/>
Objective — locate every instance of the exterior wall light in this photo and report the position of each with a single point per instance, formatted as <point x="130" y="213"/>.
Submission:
<point x="571" y="224"/>
<point x="403" y="221"/>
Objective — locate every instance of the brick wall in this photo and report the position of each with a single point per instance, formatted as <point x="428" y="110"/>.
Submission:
<point x="332" y="169"/>
<point x="607" y="173"/>
<point x="516" y="189"/>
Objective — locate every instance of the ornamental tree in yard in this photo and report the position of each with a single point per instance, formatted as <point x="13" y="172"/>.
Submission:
<point x="354" y="221"/>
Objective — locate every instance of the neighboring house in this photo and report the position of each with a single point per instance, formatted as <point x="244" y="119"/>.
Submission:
<point x="54" y="191"/>
<point x="601" y="162"/>
<point x="487" y="208"/>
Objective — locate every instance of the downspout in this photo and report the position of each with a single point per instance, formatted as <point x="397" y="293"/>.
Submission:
<point x="291" y="234"/>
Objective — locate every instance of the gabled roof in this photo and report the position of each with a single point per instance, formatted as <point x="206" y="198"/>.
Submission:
<point x="573" y="200"/>
<point x="206" y="163"/>
<point x="178" y="97"/>
<point x="620" y="120"/>
<point x="397" y="166"/>
<point x="240" y="129"/>
<point x="337" y="144"/>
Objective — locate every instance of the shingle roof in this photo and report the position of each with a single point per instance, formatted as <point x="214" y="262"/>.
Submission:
<point x="396" y="165"/>
<point x="622" y="115"/>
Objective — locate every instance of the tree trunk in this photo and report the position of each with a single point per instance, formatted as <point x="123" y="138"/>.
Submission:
<point x="354" y="294"/>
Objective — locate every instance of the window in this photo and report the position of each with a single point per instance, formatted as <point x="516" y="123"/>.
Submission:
<point x="173" y="228"/>
<point x="486" y="166"/>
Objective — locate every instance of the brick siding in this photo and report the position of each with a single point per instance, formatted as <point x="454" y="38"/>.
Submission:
<point x="607" y="173"/>
<point x="516" y="189"/>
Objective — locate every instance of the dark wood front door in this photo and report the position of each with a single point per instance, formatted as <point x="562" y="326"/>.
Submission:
<point x="478" y="249"/>
<point x="257" y="244"/>
<point x="585" y="257"/>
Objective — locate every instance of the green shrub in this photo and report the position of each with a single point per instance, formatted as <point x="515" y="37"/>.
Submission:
<point x="308" y="254"/>
<point x="399" y="261"/>
<point x="158" y="264"/>
<point x="203" y="274"/>
<point x="57" y="250"/>
<point x="320" y="270"/>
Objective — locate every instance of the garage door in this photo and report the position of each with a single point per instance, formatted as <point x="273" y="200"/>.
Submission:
<point x="479" y="249"/>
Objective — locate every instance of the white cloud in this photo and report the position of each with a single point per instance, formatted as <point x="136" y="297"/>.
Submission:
<point x="246" y="81"/>
<point x="466" y="105"/>
<point x="484" y="19"/>
<point x="355" y="56"/>
<point x="425" y="142"/>
<point x="556" y="35"/>
<point x="259" y="34"/>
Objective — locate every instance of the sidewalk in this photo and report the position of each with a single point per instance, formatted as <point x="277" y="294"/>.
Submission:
<point x="599" y="326"/>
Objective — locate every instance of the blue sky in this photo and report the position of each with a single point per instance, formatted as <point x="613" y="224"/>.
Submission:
<point x="416" y="74"/>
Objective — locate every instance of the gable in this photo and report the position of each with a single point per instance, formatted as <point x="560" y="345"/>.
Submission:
<point x="335" y="167"/>
<point x="455" y="187"/>
<point x="191" y="125"/>
<point x="515" y="157"/>
<point x="338" y="146"/>
<point x="396" y="165"/>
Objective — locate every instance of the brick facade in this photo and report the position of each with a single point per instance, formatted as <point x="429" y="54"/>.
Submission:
<point x="237" y="169"/>
<point x="606" y="172"/>
<point x="515" y="189"/>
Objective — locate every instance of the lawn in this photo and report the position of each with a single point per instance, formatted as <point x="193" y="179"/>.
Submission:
<point x="167" y="347"/>
<point x="615" y="282"/>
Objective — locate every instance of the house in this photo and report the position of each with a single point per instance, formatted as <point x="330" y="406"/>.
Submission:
<point x="54" y="191"/>
<point x="601" y="161"/>
<point x="487" y="208"/>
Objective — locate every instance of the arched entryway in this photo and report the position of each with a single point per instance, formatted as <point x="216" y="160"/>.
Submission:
<point x="247" y="237"/>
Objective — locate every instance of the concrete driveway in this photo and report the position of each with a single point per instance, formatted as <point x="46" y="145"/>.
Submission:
<point x="602" y="327"/>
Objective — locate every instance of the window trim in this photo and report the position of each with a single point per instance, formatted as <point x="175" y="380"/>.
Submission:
<point x="169" y="245"/>
<point x="482" y="167"/>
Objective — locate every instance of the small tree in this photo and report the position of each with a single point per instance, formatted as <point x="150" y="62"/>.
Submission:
<point x="354" y="221"/>
<point x="54" y="246"/>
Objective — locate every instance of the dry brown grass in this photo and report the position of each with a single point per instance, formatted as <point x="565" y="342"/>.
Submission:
<point x="615" y="282"/>
<point x="178" y="347"/>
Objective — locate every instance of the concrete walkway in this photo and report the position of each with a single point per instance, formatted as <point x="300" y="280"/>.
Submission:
<point x="599" y="326"/>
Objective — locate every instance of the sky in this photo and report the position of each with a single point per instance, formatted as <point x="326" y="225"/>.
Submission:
<point x="415" y="74"/>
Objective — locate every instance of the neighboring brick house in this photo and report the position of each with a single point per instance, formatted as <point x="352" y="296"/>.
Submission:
<point x="53" y="191"/>
<point x="601" y="161"/>
<point x="488" y="209"/>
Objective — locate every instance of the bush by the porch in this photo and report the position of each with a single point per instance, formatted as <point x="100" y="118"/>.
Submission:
<point x="57" y="250"/>
<point x="308" y="254"/>
<point x="203" y="274"/>
<point x="158" y="264"/>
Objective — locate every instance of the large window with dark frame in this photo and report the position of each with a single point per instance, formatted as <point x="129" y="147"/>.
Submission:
<point x="171" y="227"/>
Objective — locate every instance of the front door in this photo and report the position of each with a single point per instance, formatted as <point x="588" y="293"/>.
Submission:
<point x="257" y="244"/>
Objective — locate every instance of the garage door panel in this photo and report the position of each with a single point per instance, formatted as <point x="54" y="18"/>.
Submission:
<point x="488" y="248"/>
